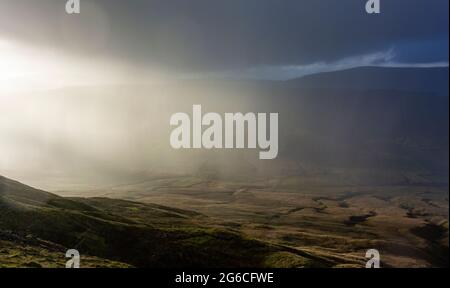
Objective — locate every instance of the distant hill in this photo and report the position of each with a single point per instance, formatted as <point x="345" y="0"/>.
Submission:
<point x="117" y="233"/>
<point x="371" y="117"/>
<point x="368" y="118"/>
<point x="433" y="80"/>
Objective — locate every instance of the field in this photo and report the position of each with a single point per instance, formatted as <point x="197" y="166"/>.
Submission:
<point x="407" y="222"/>
<point x="36" y="226"/>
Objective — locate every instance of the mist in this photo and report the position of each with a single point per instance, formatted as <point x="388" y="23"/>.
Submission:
<point x="100" y="135"/>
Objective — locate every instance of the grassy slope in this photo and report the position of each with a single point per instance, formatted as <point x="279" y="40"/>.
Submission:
<point x="137" y="234"/>
<point x="13" y="254"/>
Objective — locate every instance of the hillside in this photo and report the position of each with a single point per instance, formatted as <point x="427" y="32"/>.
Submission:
<point x="112" y="232"/>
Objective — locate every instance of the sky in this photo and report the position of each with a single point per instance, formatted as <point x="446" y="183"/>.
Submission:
<point x="76" y="93"/>
<point x="262" y="39"/>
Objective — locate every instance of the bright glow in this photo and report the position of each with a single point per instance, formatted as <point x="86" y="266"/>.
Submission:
<point x="25" y="69"/>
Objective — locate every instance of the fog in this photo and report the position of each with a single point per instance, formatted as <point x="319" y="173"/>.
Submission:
<point x="101" y="133"/>
<point x="77" y="137"/>
<point x="71" y="122"/>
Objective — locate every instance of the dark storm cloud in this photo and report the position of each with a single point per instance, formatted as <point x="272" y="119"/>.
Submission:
<point x="206" y="34"/>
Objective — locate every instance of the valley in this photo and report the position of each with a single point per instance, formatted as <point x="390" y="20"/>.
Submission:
<point x="338" y="222"/>
<point x="119" y="231"/>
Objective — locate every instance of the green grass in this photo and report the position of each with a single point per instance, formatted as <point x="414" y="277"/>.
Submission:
<point x="140" y="235"/>
<point x="29" y="256"/>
